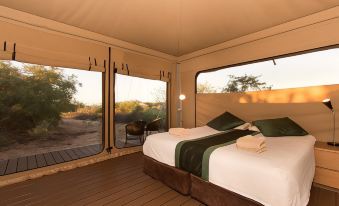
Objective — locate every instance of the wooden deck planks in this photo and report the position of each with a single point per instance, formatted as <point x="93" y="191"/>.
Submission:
<point x="40" y="159"/>
<point x="3" y="166"/>
<point x="130" y="193"/>
<point x="84" y="189"/>
<point x="90" y="197"/>
<point x="179" y="200"/>
<point x="22" y="164"/>
<point x="31" y="162"/>
<point x="119" y="181"/>
<point x="46" y="159"/>
<point x="57" y="157"/>
<point x="11" y="166"/>
<point x="72" y="154"/>
<point x="163" y="198"/>
<point x="49" y="159"/>
<point x="65" y="156"/>
<point x="150" y="195"/>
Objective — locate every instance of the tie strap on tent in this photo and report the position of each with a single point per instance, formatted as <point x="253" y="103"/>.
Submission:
<point x="115" y="69"/>
<point x="127" y="69"/>
<point x="124" y="70"/>
<point x="147" y="74"/>
<point x="14" y="52"/>
<point x="32" y="55"/>
<point x="90" y="64"/>
<point x="6" y="54"/>
<point x="165" y="78"/>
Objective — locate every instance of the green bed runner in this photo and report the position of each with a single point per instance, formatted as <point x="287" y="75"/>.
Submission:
<point x="193" y="155"/>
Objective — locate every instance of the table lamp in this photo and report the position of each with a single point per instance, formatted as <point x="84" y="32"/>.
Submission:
<point x="328" y="104"/>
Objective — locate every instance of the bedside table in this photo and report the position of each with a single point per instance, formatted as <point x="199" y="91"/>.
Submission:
<point x="327" y="165"/>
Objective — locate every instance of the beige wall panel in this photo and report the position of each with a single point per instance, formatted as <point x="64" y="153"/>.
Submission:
<point x="314" y="36"/>
<point x="302" y="105"/>
<point x="174" y="98"/>
<point x="36" y="46"/>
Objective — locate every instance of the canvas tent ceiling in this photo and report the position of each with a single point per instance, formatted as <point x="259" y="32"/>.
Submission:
<point x="174" y="27"/>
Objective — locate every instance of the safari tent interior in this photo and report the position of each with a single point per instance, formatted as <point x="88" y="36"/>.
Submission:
<point x="181" y="102"/>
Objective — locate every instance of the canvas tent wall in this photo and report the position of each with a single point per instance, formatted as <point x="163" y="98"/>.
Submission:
<point x="31" y="39"/>
<point x="311" y="32"/>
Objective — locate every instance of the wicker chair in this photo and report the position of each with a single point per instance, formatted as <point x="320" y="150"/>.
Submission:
<point x="153" y="126"/>
<point x="136" y="128"/>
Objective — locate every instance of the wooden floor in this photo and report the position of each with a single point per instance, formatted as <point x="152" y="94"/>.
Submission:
<point x="51" y="158"/>
<point x="118" y="181"/>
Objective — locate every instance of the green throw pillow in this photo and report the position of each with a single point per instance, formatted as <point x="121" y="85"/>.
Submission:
<point x="225" y="122"/>
<point x="279" y="127"/>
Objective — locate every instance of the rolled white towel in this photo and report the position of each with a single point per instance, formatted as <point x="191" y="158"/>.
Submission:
<point x="181" y="132"/>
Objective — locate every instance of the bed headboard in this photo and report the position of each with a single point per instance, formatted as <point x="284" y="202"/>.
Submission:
<point x="303" y="105"/>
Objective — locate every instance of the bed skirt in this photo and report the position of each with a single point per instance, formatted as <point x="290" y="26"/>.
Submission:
<point x="174" y="178"/>
<point x="211" y="194"/>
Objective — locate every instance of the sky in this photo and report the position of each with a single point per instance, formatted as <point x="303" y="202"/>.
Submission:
<point x="90" y="91"/>
<point x="127" y="87"/>
<point x="312" y="69"/>
<point x="134" y="88"/>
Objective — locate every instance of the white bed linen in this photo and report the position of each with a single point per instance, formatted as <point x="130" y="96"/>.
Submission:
<point x="161" y="146"/>
<point x="280" y="176"/>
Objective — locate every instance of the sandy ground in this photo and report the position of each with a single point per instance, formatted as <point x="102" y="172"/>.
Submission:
<point x="70" y="133"/>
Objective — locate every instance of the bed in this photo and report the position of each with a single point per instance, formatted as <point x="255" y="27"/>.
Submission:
<point x="280" y="176"/>
<point x="159" y="158"/>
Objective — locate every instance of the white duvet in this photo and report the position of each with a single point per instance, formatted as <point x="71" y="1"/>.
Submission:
<point x="280" y="176"/>
<point x="161" y="146"/>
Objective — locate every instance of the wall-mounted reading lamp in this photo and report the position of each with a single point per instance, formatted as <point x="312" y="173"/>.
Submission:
<point x="182" y="97"/>
<point x="328" y="104"/>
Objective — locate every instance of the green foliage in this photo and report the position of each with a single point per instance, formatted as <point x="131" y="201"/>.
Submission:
<point x="205" y="88"/>
<point x="40" y="130"/>
<point x="245" y="83"/>
<point x="83" y="112"/>
<point x="32" y="98"/>
<point x="129" y="111"/>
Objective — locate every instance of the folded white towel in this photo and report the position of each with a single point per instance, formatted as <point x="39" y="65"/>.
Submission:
<point x="181" y="132"/>
<point x="250" y="143"/>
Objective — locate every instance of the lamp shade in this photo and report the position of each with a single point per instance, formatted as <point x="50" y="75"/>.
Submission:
<point x="327" y="103"/>
<point x="182" y="97"/>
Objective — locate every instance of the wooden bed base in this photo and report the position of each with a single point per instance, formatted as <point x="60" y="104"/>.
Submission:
<point x="174" y="178"/>
<point x="212" y="194"/>
<point x="188" y="184"/>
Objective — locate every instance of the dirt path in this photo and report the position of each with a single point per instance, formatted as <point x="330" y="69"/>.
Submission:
<point x="70" y="133"/>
